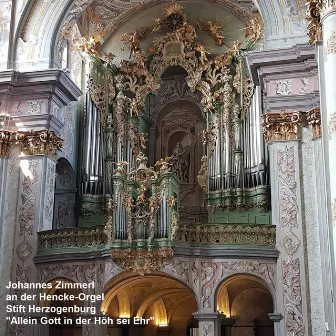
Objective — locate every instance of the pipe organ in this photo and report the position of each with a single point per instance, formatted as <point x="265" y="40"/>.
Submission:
<point x="141" y="204"/>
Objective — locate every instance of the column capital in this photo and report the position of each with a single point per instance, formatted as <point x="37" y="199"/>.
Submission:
<point x="275" y="317"/>
<point x="314" y="119"/>
<point x="207" y="316"/>
<point x="283" y="126"/>
<point x="39" y="142"/>
<point x="5" y="142"/>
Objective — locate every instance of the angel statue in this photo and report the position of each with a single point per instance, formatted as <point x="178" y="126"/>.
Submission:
<point x="214" y="29"/>
<point x="180" y="161"/>
<point x="133" y="39"/>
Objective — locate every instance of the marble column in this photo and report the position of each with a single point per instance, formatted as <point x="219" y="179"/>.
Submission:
<point x="328" y="112"/>
<point x="208" y="324"/>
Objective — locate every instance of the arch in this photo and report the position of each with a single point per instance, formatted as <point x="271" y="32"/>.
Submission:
<point x="178" y="103"/>
<point x="47" y="17"/>
<point x="161" y="284"/>
<point x="243" y="276"/>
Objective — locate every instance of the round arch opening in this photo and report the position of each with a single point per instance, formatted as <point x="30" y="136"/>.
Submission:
<point x="166" y="302"/>
<point x="245" y="302"/>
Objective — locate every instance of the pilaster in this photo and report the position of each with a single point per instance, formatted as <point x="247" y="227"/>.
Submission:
<point x="29" y="142"/>
<point x="287" y="216"/>
<point x="208" y="323"/>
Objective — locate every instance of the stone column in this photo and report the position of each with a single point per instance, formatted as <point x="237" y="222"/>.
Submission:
<point x="322" y="32"/>
<point x="282" y="133"/>
<point x="208" y="324"/>
<point x="329" y="134"/>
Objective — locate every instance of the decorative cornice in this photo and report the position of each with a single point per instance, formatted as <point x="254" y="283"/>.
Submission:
<point x="282" y="126"/>
<point x="39" y="142"/>
<point x="5" y="142"/>
<point x="258" y="60"/>
<point x="44" y="83"/>
<point x="314" y="119"/>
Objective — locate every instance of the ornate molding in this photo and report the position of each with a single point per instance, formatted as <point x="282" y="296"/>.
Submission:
<point x="142" y="261"/>
<point x="77" y="237"/>
<point x="39" y="142"/>
<point x="282" y="126"/>
<point x="314" y="119"/>
<point x="228" y="234"/>
<point x="5" y="143"/>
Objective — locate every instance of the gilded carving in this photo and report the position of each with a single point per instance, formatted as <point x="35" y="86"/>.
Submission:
<point x="314" y="27"/>
<point x="223" y="234"/>
<point x="98" y="96"/>
<point x="5" y="143"/>
<point x="214" y="29"/>
<point x="39" y="142"/>
<point x="314" y="119"/>
<point x="281" y="126"/>
<point x="142" y="260"/>
<point x="71" y="237"/>
<point x="254" y="29"/>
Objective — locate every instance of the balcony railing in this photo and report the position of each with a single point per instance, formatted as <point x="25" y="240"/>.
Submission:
<point x="71" y="237"/>
<point x="260" y="235"/>
<point x="228" y="234"/>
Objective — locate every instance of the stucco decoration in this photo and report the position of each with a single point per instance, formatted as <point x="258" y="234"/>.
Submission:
<point x="212" y="273"/>
<point x="330" y="48"/>
<point x="283" y="87"/>
<point x="332" y="125"/>
<point x="33" y="49"/>
<point x="289" y="223"/>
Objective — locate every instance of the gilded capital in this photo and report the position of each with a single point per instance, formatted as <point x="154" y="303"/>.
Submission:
<point x="39" y="142"/>
<point x="282" y="126"/>
<point x="5" y="143"/>
<point x="314" y="119"/>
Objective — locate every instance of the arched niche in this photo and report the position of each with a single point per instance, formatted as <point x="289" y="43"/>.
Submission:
<point x="246" y="302"/>
<point x="65" y="195"/>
